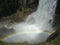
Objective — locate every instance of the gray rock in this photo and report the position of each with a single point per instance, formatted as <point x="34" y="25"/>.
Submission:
<point x="4" y="31"/>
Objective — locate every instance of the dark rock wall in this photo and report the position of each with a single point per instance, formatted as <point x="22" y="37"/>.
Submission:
<point x="58" y="7"/>
<point x="56" y="23"/>
<point x="8" y="7"/>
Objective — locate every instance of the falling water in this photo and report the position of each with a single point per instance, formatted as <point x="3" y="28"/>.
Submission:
<point x="38" y="25"/>
<point x="43" y="17"/>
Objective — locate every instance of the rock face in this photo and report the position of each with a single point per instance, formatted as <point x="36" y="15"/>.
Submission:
<point x="58" y="7"/>
<point x="54" y="35"/>
<point x="5" y="32"/>
<point x="56" y="23"/>
<point x="8" y="7"/>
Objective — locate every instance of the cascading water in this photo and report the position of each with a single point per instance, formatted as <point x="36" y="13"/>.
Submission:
<point x="43" y="17"/>
<point x="38" y="25"/>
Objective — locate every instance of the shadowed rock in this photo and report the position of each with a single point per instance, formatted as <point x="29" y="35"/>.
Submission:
<point x="54" y="35"/>
<point x="5" y="32"/>
<point x="8" y="7"/>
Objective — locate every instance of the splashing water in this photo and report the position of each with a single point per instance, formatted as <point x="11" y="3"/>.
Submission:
<point x="38" y="25"/>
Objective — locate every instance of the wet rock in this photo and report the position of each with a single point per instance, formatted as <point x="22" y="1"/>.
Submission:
<point x="5" y="32"/>
<point x="54" y="35"/>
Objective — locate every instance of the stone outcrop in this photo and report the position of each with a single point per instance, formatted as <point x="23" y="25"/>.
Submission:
<point x="5" y="32"/>
<point x="54" y="35"/>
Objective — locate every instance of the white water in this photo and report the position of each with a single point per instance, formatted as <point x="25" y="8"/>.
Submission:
<point x="37" y="26"/>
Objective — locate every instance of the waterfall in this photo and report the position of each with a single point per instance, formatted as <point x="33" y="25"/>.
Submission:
<point x="43" y="17"/>
<point x="38" y="25"/>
